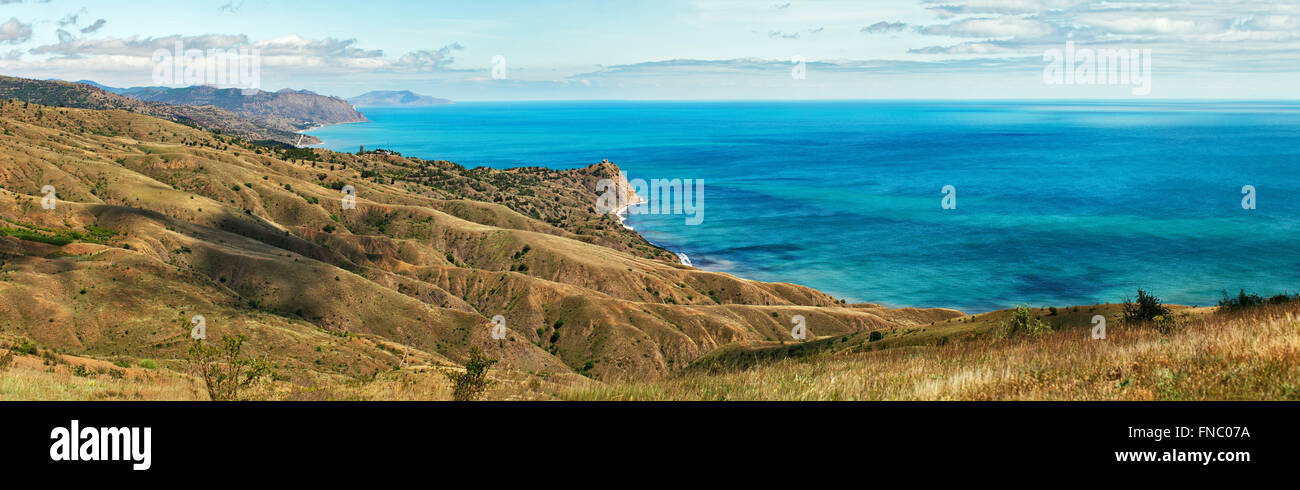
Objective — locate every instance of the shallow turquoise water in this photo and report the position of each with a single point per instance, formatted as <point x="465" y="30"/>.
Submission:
<point x="1057" y="203"/>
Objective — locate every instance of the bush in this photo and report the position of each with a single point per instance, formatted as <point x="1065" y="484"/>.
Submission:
<point x="1145" y="309"/>
<point x="471" y="384"/>
<point x="24" y="348"/>
<point x="224" y="371"/>
<point x="1242" y="300"/>
<point x="1023" y="323"/>
<point x="877" y="335"/>
<point x="148" y="364"/>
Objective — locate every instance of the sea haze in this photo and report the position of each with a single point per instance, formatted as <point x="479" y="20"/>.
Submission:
<point x="1058" y="203"/>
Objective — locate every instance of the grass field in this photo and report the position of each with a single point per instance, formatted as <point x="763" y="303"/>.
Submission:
<point x="1247" y="355"/>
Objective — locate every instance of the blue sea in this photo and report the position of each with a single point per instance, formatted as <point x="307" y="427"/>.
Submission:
<point x="1057" y="203"/>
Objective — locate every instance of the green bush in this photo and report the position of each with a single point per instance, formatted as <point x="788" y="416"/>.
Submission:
<point x="471" y="384"/>
<point x="148" y="364"/>
<point x="1241" y="301"/>
<point x="224" y="371"/>
<point x="1024" y="323"/>
<point x="1145" y="309"/>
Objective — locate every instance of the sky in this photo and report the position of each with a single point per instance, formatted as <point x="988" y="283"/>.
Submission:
<point x="680" y="49"/>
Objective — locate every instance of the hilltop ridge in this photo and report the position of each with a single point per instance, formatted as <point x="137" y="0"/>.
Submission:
<point x="56" y="93"/>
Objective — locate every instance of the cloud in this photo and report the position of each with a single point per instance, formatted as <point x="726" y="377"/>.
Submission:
<point x="971" y="48"/>
<point x="948" y="9"/>
<point x="996" y="27"/>
<point x="883" y="27"/>
<point x="428" y="60"/>
<point x="782" y="6"/>
<point x="231" y="7"/>
<point x="14" y="32"/>
<point x="142" y="47"/>
<point x="70" y="19"/>
<point x="1148" y="25"/>
<point x="782" y="35"/>
<point x="91" y="29"/>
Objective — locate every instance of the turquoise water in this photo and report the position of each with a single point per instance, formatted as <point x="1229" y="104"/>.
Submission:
<point x="1057" y="203"/>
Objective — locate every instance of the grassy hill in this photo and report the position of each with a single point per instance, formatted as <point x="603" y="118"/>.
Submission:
<point x="1209" y="354"/>
<point x="78" y="95"/>
<point x="284" y="110"/>
<point x="157" y="222"/>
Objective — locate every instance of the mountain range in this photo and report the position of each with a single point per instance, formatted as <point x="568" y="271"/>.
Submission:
<point x="57" y="93"/>
<point x="400" y="98"/>
<point x="286" y="109"/>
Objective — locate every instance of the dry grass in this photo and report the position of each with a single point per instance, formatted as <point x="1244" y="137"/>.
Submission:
<point x="1249" y="355"/>
<point x="33" y="378"/>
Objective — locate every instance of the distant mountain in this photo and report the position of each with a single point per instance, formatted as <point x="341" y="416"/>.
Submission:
<point x="287" y="110"/>
<point x="91" y="96"/>
<point x="395" y="98"/>
<point x="100" y="86"/>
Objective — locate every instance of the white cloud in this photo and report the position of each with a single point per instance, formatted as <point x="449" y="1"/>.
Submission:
<point x="996" y="27"/>
<point x="1148" y="25"/>
<point x="14" y="32"/>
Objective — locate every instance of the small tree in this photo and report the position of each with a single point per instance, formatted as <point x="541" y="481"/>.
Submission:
<point x="1145" y="309"/>
<point x="1023" y="323"/>
<point x="471" y="384"/>
<point x="223" y="371"/>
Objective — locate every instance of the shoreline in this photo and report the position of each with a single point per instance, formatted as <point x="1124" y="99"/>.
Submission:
<point x="621" y="214"/>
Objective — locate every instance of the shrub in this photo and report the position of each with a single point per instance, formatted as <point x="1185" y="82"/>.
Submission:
<point x="148" y="364"/>
<point x="1023" y="323"/>
<point x="6" y="361"/>
<point x="1165" y="323"/>
<point x="471" y="384"/>
<point x="24" y="348"/>
<point x="1242" y="300"/>
<point x="1145" y="309"/>
<point x="877" y="335"/>
<point x="224" y="371"/>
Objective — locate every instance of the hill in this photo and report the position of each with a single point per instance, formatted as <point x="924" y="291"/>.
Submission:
<point x="1206" y="354"/>
<point x="158" y="221"/>
<point x="389" y="98"/>
<point x="56" y="93"/>
<point x="285" y="110"/>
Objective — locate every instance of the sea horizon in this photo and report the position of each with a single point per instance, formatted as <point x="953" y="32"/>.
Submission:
<point x="745" y="229"/>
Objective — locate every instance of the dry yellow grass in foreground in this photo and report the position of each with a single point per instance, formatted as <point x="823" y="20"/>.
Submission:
<point x="1253" y="354"/>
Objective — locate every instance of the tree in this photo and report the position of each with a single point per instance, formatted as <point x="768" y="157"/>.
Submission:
<point x="223" y="371"/>
<point x="1024" y="323"/>
<point x="1145" y="309"/>
<point x="471" y="384"/>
